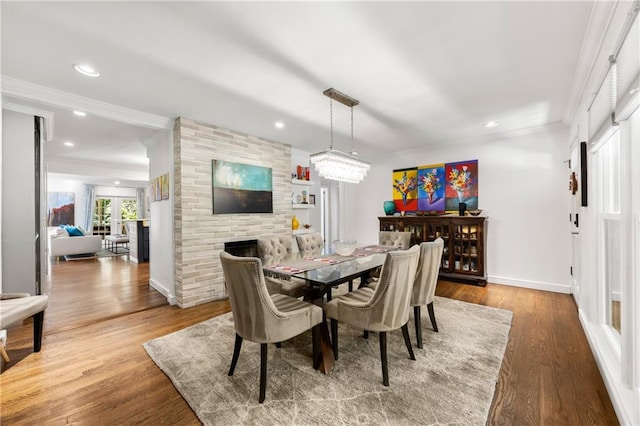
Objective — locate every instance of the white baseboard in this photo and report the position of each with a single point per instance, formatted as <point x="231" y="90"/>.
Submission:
<point x="171" y="298"/>
<point x="535" y="285"/>
<point x="623" y="399"/>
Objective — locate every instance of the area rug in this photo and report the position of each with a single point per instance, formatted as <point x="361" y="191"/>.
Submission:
<point x="451" y="382"/>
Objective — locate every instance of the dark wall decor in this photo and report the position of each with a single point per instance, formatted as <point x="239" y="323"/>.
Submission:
<point x="241" y="188"/>
<point x="583" y="172"/>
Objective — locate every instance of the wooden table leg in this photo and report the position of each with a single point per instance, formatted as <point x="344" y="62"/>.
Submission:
<point x="326" y="349"/>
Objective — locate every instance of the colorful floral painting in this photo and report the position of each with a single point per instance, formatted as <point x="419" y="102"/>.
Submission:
<point x="436" y="187"/>
<point x="431" y="188"/>
<point x="405" y="189"/>
<point x="462" y="185"/>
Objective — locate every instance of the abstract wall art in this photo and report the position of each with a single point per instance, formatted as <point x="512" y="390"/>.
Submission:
<point x="60" y="208"/>
<point x="241" y="188"/>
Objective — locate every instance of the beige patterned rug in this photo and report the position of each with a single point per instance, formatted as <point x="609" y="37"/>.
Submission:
<point x="451" y="382"/>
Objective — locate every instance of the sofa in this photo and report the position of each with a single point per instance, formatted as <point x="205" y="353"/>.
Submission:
<point x="62" y="244"/>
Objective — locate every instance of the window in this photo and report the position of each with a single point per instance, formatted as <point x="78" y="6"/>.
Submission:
<point x="610" y="228"/>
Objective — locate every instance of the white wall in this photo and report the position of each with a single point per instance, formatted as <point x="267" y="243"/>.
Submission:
<point x="161" y="243"/>
<point x="523" y="190"/>
<point x="18" y="203"/>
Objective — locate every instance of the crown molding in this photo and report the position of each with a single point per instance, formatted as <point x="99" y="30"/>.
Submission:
<point x="21" y="89"/>
<point x="24" y="109"/>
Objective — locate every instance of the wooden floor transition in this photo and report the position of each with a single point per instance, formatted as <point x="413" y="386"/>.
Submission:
<point x="99" y="373"/>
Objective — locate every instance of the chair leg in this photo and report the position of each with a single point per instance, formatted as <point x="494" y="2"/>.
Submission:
<point x="236" y="354"/>
<point x="334" y="337"/>
<point x="417" y="320"/>
<point x="4" y="354"/>
<point x="366" y="334"/>
<point x="263" y="372"/>
<point x="432" y="316"/>
<point x="383" y="358"/>
<point x="278" y="344"/>
<point x="407" y="341"/>
<point x="38" y="321"/>
<point x="350" y="286"/>
<point x="315" y="345"/>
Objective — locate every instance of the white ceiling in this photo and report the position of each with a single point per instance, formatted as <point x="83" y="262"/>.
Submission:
<point x="426" y="73"/>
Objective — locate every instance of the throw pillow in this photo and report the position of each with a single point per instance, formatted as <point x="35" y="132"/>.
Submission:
<point x="60" y="232"/>
<point x="74" y="231"/>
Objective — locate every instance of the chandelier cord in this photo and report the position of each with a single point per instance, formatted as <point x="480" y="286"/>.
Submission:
<point x="331" y="121"/>
<point x="352" y="141"/>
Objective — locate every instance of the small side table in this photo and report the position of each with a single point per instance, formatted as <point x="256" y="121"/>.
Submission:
<point x="113" y="241"/>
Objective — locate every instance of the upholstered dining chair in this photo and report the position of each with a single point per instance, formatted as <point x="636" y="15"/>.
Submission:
<point x="383" y="309"/>
<point x="311" y="243"/>
<point x="424" y="287"/>
<point x="402" y="240"/>
<point x="395" y="239"/>
<point x="263" y="318"/>
<point x="271" y="249"/>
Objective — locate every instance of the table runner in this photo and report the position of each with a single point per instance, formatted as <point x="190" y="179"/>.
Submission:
<point x="286" y="268"/>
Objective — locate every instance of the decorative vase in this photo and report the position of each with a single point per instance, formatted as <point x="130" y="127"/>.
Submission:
<point x="460" y="196"/>
<point x="294" y="223"/>
<point x="430" y="194"/>
<point x="389" y="208"/>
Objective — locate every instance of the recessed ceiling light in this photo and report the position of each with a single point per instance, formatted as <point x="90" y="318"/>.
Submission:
<point x="68" y="143"/>
<point x="490" y="124"/>
<point x="117" y="182"/>
<point x="279" y="124"/>
<point x="80" y="113"/>
<point x="87" y="70"/>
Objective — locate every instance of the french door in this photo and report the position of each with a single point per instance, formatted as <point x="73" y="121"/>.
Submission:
<point x="111" y="213"/>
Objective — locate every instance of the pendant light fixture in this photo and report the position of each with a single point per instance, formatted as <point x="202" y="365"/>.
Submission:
<point x="337" y="165"/>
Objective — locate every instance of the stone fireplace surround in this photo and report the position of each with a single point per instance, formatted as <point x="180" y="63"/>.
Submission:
<point x="199" y="234"/>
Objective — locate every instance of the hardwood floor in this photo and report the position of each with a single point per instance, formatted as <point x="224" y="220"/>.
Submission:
<point x="83" y="292"/>
<point x="99" y="373"/>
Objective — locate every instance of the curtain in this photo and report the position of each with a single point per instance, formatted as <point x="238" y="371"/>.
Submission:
<point x="140" y="203"/>
<point x="89" y="207"/>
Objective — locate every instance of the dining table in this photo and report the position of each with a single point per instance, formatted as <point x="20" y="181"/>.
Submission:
<point x="323" y="271"/>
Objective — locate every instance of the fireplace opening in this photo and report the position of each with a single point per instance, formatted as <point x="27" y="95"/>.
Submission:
<point x="245" y="248"/>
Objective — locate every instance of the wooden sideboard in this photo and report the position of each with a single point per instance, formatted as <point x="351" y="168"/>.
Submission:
<point x="464" y="257"/>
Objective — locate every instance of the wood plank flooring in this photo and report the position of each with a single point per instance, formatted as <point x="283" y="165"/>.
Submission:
<point x="99" y="373"/>
<point x="83" y="292"/>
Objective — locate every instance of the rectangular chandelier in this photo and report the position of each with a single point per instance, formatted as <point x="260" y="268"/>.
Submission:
<point x="337" y="165"/>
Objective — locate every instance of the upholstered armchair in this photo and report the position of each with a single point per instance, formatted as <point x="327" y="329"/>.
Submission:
<point x="395" y="239"/>
<point x="272" y="250"/>
<point x="424" y="287"/>
<point x="383" y="309"/>
<point x="263" y="318"/>
<point x="16" y="307"/>
<point x="310" y="243"/>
